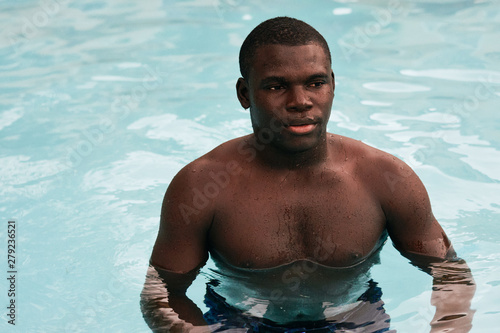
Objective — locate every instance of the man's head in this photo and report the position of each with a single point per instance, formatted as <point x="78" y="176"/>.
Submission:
<point x="278" y="31"/>
<point x="289" y="84"/>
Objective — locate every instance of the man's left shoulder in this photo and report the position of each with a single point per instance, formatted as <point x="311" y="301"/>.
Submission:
<point x="375" y="166"/>
<point x="359" y="151"/>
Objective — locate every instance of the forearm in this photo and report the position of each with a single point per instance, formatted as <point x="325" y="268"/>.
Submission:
<point x="168" y="310"/>
<point x="452" y="293"/>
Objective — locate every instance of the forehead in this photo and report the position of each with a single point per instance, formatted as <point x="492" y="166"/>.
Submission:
<point x="283" y="60"/>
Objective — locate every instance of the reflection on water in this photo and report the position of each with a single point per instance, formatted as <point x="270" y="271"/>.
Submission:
<point x="294" y="297"/>
<point x="301" y="296"/>
<point x="298" y="296"/>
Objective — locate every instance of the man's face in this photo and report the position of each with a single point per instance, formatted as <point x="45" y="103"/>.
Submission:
<point x="289" y="92"/>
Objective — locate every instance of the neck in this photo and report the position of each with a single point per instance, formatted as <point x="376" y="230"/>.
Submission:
<point x="277" y="157"/>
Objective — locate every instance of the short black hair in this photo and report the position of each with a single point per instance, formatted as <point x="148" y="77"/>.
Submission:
<point x="281" y="31"/>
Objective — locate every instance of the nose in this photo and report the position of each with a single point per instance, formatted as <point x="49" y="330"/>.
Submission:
<point x="298" y="99"/>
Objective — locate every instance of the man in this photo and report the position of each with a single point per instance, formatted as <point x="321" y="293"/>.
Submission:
<point x="292" y="193"/>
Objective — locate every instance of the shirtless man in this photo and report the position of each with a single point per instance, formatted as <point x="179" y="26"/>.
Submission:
<point x="290" y="191"/>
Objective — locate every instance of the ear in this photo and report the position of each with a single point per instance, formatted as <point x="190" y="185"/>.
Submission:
<point x="333" y="83"/>
<point x="243" y="93"/>
<point x="333" y="80"/>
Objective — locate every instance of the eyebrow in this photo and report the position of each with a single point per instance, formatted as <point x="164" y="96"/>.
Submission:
<point x="318" y="76"/>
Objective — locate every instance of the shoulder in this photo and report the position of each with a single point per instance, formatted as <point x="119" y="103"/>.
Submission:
<point x="383" y="173"/>
<point x="225" y="159"/>
<point x="398" y="189"/>
<point x="190" y="198"/>
<point x="358" y="150"/>
<point x="227" y="156"/>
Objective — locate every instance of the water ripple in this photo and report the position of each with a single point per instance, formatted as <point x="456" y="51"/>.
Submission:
<point x="141" y="170"/>
<point x="395" y="87"/>
<point x="464" y="75"/>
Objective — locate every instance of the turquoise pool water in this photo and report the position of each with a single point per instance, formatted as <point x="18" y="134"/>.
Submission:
<point x="103" y="102"/>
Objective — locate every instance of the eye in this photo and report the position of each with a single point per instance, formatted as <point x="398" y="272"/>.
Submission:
<point x="275" y="87"/>
<point x="317" y="84"/>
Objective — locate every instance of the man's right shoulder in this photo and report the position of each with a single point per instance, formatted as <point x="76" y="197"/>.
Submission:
<point x="229" y="157"/>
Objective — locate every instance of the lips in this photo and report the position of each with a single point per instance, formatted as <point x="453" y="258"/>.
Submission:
<point x="301" y="129"/>
<point x="301" y="126"/>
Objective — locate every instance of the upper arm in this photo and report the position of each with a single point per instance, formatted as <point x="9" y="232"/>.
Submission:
<point x="181" y="245"/>
<point x="410" y="221"/>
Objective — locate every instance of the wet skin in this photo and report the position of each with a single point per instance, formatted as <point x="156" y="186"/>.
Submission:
<point x="291" y="191"/>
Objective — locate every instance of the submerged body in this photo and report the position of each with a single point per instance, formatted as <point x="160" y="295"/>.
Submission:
<point x="301" y="291"/>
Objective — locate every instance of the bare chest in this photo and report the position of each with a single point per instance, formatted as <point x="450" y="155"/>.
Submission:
<point x="267" y="224"/>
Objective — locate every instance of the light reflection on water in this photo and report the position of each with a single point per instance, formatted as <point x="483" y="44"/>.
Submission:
<point x="103" y="102"/>
<point x="302" y="290"/>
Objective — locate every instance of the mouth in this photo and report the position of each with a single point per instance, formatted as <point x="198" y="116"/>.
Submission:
<point x="301" y="127"/>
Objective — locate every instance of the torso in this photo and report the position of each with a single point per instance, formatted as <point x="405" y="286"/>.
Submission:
<point x="270" y="217"/>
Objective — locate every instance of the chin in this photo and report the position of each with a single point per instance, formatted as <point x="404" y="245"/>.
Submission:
<point x="298" y="144"/>
<point x="302" y="143"/>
